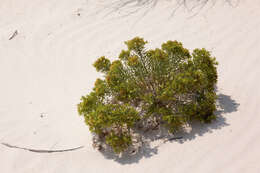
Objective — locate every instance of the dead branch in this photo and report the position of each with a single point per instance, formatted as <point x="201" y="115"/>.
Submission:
<point x="40" y="151"/>
<point x="13" y="35"/>
<point x="173" y="138"/>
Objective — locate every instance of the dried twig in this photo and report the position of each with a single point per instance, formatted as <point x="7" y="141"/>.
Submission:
<point x="173" y="138"/>
<point x="40" y="151"/>
<point x="13" y="35"/>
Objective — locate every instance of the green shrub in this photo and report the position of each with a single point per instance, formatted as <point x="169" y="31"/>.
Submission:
<point x="167" y="86"/>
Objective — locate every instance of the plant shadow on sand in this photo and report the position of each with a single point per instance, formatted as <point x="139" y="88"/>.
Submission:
<point x="129" y="7"/>
<point x="225" y="105"/>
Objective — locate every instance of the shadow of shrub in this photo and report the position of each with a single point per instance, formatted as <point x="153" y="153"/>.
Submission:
<point x="225" y="105"/>
<point x="129" y="7"/>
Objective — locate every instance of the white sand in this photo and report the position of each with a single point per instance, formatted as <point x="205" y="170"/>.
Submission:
<point x="48" y="66"/>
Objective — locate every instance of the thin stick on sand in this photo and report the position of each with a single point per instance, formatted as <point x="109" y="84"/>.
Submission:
<point x="41" y="151"/>
<point x="13" y="35"/>
<point x="173" y="138"/>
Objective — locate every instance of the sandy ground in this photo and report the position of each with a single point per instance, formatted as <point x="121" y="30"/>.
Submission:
<point x="47" y="66"/>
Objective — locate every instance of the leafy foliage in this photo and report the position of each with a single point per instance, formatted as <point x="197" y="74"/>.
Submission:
<point x="168" y="86"/>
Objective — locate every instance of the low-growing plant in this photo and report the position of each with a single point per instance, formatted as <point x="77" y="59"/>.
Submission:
<point x="145" y="89"/>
